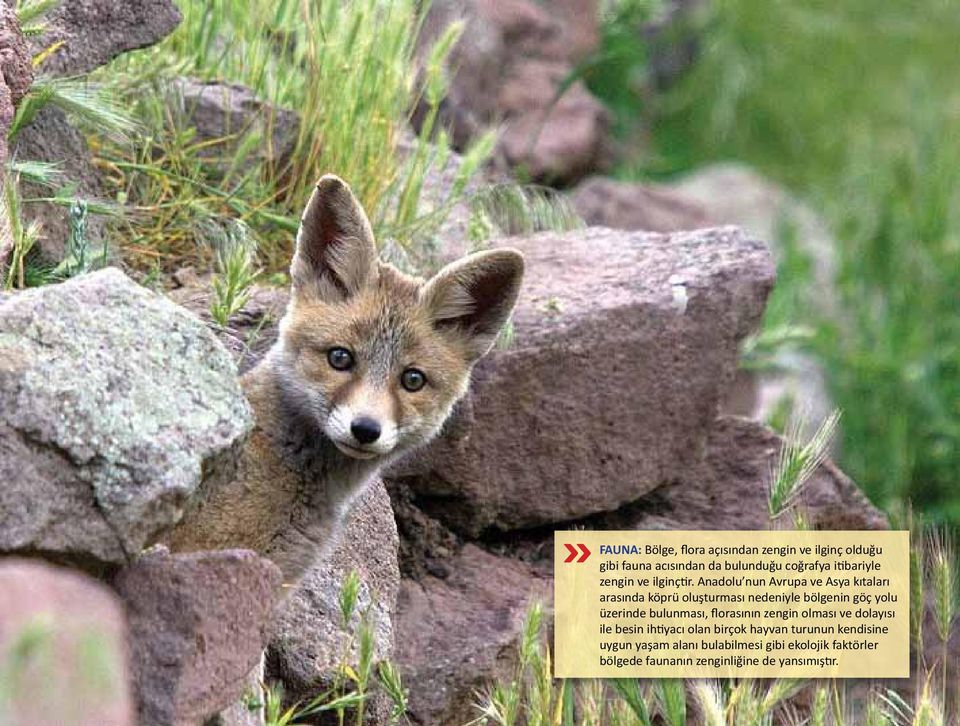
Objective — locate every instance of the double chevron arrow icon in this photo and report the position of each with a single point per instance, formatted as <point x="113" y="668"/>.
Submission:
<point x="574" y="554"/>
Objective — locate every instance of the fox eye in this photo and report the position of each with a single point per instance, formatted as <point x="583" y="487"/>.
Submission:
<point x="413" y="380"/>
<point x="340" y="358"/>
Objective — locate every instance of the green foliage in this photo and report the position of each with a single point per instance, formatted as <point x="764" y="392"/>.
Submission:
<point x="507" y="336"/>
<point x="530" y="696"/>
<point x="78" y="259"/>
<point x="617" y="72"/>
<point x="35" y="172"/>
<point x="797" y="463"/>
<point x="99" y="670"/>
<point x="894" y="355"/>
<point x="848" y="104"/>
<point x="510" y="209"/>
<point x="30" y="15"/>
<point x="671" y="699"/>
<point x="30" y="648"/>
<point x="235" y="274"/>
<point x="708" y="696"/>
<point x="327" y="702"/>
<point x="630" y="690"/>
<point x="87" y="103"/>
<point x="353" y="682"/>
<point x="349" y="595"/>
<point x="32" y="643"/>
<point x="22" y="237"/>
<point x="22" y="268"/>
<point x="392" y="684"/>
<point x="345" y="67"/>
<point x="818" y="713"/>
<point x="941" y="561"/>
<point x="787" y="85"/>
<point x="32" y="662"/>
<point x="350" y="71"/>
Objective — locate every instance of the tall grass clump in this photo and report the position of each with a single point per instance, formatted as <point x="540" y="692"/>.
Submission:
<point x="941" y="562"/>
<point x="510" y="209"/>
<point x="346" y="67"/>
<point x="17" y="238"/>
<point x="352" y="71"/>
<point x="235" y="273"/>
<point x="530" y="696"/>
<point x="797" y="463"/>
<point x="88" y="105"/>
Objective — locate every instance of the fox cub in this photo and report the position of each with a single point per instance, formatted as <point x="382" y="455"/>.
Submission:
<point x="368" y="365"/>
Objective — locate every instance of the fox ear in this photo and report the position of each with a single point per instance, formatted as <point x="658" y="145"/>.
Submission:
<point x="335" y="255"/>
<point x="475" y="296"/>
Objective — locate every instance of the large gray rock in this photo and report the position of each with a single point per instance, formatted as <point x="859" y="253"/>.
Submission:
<point x="198" y="625"/>
<point x="623" y="345"/>
<point x="230" y="113"/>
<point x="115" y="405"/>
<point x="735" y="194"/>
<point x="63" y="649"/>
<point x="309" y="641"/>
<point x="94" y="32"/>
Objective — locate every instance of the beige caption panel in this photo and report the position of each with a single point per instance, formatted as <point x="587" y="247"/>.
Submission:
<point x="732" y="604"/>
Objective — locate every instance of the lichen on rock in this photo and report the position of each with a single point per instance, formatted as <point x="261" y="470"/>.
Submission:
<point x="114" y="399"/>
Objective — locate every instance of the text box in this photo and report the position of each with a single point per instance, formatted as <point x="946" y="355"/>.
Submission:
<point x="720" y="604"/>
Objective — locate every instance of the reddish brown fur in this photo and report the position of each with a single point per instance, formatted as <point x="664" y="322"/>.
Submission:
<point x="314" y="326"/>
<point x="295" y="480"/>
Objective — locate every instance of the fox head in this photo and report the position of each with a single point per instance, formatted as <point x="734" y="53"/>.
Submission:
<point x="376" y="358"/>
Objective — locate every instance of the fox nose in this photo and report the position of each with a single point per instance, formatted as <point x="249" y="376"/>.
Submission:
<point x="365" y="429"/>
